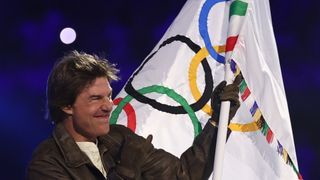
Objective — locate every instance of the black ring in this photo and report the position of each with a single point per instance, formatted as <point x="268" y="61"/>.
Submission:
<point x="168" y="108"/>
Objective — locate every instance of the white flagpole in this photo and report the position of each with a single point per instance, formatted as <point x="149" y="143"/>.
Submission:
<point x="222" y="127"/>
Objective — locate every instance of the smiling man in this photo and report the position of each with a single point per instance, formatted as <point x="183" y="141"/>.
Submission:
<point x="89" y="115"/>
<point x="83" y="144"/>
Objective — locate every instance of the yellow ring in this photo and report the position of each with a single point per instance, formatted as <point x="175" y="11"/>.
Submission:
<point x="196" y="60"/>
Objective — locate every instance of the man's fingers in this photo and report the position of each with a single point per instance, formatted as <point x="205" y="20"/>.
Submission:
<point x="231" y="88"/>
<point x="215" y="95"/>
<point x="220" y="87"/>
<point x="149" y="138"/>
<point x="238" y="80"/>
<point x="236" y="103"/>
<point x="229" y="96"/>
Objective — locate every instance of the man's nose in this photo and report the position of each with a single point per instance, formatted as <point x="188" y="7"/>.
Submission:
<point x="107" y="104"/>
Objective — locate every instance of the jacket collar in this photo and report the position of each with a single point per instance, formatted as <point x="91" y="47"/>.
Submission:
<point x="71" y="152"/>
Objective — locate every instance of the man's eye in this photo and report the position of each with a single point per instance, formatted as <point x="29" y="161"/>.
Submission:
<point x="95" y="98"/>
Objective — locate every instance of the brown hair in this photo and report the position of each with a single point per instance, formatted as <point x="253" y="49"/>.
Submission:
<point x="70" y="76"/>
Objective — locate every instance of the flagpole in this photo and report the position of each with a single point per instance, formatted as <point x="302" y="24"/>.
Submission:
<point x="222" y="128"/>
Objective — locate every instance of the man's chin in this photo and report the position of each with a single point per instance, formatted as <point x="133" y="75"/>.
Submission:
<point x="104" y="131"/>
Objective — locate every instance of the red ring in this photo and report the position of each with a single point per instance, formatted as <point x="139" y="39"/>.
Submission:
<point x="131" y="114"/>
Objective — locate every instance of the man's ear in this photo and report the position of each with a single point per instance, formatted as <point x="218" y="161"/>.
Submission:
<point x="68" y="110"/>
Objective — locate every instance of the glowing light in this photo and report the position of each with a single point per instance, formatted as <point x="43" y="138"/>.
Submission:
<point x="68" y="35"/>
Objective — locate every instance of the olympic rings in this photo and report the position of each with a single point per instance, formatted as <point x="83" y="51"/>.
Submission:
<point x="162" y="90"/>
<point x="175" y="109"/>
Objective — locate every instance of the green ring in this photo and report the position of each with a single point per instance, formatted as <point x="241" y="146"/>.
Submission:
<point x="162" y="90"/>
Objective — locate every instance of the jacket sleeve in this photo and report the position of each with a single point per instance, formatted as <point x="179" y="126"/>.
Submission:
<point x="196" y="163"/>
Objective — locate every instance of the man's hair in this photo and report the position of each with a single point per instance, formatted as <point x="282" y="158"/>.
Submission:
<point x="69" y="76"/>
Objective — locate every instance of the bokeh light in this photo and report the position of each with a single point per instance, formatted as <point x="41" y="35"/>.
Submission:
<point x="68" y="35"/>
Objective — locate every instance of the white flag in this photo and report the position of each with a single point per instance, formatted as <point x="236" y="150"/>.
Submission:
<point x="168" y="96"/>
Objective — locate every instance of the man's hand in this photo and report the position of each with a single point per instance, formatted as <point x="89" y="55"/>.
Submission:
<point x="225" y="93"/>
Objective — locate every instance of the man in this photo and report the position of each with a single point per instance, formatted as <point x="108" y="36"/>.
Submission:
<point x="83" y="144"/>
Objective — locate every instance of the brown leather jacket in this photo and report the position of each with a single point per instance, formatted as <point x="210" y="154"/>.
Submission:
<point x="59" y="157"/>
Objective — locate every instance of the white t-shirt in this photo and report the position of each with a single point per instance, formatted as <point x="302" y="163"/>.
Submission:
<point x="92" y="151"/>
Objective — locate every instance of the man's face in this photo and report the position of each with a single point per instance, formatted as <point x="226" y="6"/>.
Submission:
<point x="91" y="110"/>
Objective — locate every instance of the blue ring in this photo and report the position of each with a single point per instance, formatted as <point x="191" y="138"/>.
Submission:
<point x="203" y="28"/>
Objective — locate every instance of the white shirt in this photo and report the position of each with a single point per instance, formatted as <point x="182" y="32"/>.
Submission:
<point x="92" y="151"/>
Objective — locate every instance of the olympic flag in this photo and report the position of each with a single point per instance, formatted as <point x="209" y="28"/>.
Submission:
<point x="168" y="96"/>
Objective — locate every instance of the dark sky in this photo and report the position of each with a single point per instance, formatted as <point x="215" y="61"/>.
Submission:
<point x="125" y="32"/>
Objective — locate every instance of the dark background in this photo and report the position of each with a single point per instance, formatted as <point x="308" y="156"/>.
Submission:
<point x="125" y="32"/>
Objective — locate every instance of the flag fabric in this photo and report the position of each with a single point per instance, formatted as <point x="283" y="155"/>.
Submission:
<point x="168" y="96"/>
